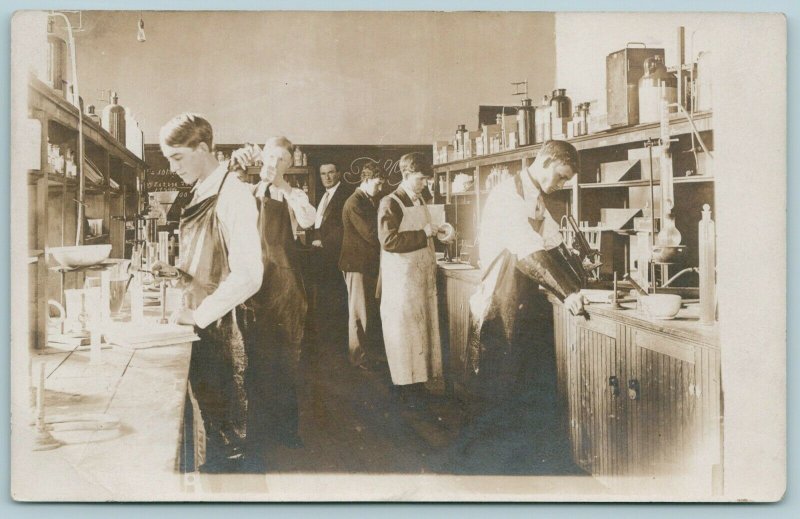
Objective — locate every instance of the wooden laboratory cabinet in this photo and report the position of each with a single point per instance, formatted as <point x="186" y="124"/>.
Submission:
<point x="641" y="399"/>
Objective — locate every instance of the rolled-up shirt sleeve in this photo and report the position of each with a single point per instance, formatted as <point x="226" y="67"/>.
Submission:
<point x="238" y="216"/>
<point x="303" y="210"/>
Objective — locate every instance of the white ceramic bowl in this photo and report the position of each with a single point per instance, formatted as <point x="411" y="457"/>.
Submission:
<point x="80" y="256"/>
<point x="446" y="233"/>
<point x="661" y="306"/>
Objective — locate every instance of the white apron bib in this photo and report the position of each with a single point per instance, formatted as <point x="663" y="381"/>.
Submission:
<point x="409" y="308"/>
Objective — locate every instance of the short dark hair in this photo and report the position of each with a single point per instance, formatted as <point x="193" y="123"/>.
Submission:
<point x="561" y="151"/>
<point x="415" y="163"/>
<point x="329" y="163"/>
<point x="187" y="130"/>
<point x="372" y="170"/>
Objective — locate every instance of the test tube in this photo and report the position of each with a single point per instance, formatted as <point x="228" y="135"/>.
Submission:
<point x="163" y="246"/>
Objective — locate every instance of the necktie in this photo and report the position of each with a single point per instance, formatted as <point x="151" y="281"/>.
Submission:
<point x="321" y="209"/>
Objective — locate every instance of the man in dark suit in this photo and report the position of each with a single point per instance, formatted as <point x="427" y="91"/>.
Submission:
<point x="360" y="260"/>
<point x="330" y="301"/>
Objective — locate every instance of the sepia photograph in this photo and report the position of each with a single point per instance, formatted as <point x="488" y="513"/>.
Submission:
<point x="398" y="256"/>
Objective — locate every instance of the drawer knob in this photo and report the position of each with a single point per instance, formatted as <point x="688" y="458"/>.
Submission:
<point x="613" y="383"/>
<point x="633" y="389"/>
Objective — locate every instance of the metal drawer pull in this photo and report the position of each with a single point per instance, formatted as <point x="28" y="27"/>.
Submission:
<point x="633" y="389"/>
<point x="613" y="381"/>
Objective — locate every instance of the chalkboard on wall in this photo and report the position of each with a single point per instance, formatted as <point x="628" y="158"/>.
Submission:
<point x="348" y="158"/>
<point x="351" y="158"/>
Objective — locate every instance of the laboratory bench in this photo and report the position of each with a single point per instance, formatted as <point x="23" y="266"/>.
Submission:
<point x="640" y="398"/>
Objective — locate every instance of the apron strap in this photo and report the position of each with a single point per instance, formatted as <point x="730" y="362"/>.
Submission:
<point x="397" y="199"/>
<point x="497" y="258"/>
<point x="223" y="182"/>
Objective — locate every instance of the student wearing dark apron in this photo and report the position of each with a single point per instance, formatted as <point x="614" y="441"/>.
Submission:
<point x="220" y="269"/>
<point x="280" y="306"/>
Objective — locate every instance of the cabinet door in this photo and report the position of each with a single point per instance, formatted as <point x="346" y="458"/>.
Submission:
<point x="458" y="294"/>
<point x="601" y="433"/>
<point x="660" y="386"/>
<point x="454" y="299"/>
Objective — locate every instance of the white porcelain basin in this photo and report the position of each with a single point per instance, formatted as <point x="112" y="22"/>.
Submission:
<point x="80" y="255"/>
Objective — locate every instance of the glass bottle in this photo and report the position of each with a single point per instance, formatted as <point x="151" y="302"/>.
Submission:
<point x="114" y="119"/>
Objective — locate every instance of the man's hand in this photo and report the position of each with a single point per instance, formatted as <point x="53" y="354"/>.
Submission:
<point x="164" y="270"/>
<point x="574" y="303"/>
<point x="183" y="316"/>
<point x="431" y="229"/>
<point x="241" y="158"/>
<point x="316" y="243"/>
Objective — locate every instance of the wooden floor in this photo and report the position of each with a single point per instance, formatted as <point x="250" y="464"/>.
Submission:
<point x="352" y="422"/>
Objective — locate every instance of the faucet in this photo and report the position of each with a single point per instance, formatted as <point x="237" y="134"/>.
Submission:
<point x="676" y="276"/>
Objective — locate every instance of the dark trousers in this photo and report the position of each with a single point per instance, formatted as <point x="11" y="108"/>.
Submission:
<point x="328" y="304"/>
<point x="216" y="375"/>
<point x="272" y="379"/>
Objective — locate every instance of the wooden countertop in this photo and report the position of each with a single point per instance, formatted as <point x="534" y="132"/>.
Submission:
<point x="685" y="326"/>
<point x="145" y="390"/>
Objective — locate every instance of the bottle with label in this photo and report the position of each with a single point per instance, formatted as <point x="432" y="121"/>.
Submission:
<point x="542" y="120"/>
<point x="92" y="115"/>
<point x="460" y="133"/>
<point x="584" y="118"/>
<point x="655" y="84"/>
<point x="526" y="127"/>
<point x="561" y="108"/>
<point x="298" y="157"/>
<point x="114" y="119"/>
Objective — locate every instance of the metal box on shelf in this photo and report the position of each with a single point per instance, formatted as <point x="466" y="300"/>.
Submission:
<point x="624" y="68"/>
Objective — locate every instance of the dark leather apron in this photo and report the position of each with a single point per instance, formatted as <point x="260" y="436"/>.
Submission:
<point x="280" y="311"/>
<point x="508" y="343"/>
<point x="219" y="359"/>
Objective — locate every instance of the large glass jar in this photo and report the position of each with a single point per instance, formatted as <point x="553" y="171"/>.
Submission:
<point x="655" y="84"/>
<point x="561" y="104"/>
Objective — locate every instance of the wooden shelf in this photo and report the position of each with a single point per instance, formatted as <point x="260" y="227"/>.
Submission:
<point x="59" y="180"/>
<point x="614" y="137"/>
<point x="63" y="112"/>
<point x="96" y="240"/>
<point x="644" y="183"/>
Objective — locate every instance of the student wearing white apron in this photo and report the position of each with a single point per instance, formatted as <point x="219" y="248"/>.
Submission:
<point x="409" y="309"/>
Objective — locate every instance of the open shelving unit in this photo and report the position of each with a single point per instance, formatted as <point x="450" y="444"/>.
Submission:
<point x="585" y="196"/>
<point x="52" y="196"/>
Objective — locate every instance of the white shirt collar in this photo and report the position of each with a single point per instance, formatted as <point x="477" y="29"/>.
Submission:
<point x="332" y="190"/>
<point x="531" y="193"/>
<point x="412" y="195"/>
<point x="210" y="185"/>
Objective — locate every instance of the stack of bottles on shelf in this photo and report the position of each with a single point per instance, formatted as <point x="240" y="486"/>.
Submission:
<point x="299" y="159"/>
<point x="121" y="123"/>
<point x="554" y="118"/>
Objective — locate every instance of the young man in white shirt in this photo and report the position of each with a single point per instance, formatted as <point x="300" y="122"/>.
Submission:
<point x="220" y="269"/>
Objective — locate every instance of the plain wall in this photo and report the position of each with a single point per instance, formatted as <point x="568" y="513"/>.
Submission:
<point x="322" y="78"/>
<point x="583" y="40"/>
<point x="748" y="61"/>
